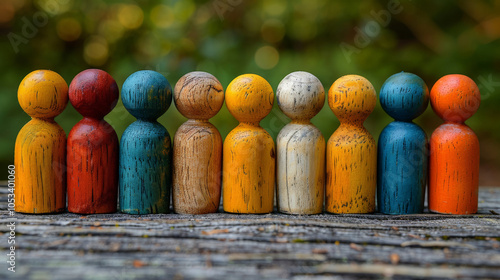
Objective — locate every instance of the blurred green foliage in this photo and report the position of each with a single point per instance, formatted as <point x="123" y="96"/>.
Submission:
<point x="270" y="38"/>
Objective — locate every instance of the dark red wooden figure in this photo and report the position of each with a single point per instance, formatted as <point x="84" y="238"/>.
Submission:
<point x="93" y="145"/>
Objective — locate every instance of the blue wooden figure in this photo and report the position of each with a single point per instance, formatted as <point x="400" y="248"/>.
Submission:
<point x="145" y="170"/>
<point x="402" y="146"/>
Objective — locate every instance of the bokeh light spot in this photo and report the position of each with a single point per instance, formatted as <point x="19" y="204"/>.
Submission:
<point x="162" y="16"/>
<point x="96" y="51"/>
<point x="267" y="57"/>
<point x="184" y="9"/>
<point x="130" y="16"/>
<point x="7" y="12"/>
<point x="69" y="29"/>
<point x="111" y="30"/>
<point x="275" y="8"/>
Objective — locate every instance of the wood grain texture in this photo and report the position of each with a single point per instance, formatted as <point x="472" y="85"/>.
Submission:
<point x="92" y="167"/>
<point x="351" y="156"/>
<point x="273" y="246"/>
<point x="300" y="172"/>
<point x="402" y="169"/>
<point x="454" y="147"/>
<point x="402" y="146"/>
<point x="145" y="170"/>
<point x="93" y="145"/>
<point x="197" y="168"/>
<point x="40" y="149"/>
<point x="300" y="169"/>
<point x="197" y="173"/>
<point x="249" y="153"/>
<point x="454" y="169"/>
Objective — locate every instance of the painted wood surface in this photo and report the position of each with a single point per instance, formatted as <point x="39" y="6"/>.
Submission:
<point x="197" y="173"/>
<point x="402" y="146"/>
<point x="454" y="147"/>
<point x="40" y="149"/>
<point x="248" y="151"/>
<point x="92" y="145"/>
<point x="351" y="156"/>
<point x="300" y="176"/>
<point x="145" y="169"/>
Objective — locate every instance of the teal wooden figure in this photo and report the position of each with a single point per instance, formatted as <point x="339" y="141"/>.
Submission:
<point x="402" y="146"/>
<point x="145" y="170"/>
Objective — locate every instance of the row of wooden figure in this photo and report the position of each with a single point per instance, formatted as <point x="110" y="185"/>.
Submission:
<point x="92" y="169"/>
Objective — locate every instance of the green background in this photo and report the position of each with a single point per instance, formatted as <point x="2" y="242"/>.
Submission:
<point x="270" y="38"/>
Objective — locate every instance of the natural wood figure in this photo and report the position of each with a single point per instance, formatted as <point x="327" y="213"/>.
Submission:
<point x="93" y="145"/>
<point x="145" y="148"/>
<point x="197" y="159"/>
<point x="300" y="146"/>
<point x="249" y="153"/>
<point x="40" y="150"/>
<point x="351" y="156"/>
<point x="402" y="146"/>
<point x="454" y="147"/>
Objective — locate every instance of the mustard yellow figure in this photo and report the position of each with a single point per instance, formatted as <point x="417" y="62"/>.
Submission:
<point x="249" y="152"/>
<point x="40" y="151"/>
<point x="351" y="154"/>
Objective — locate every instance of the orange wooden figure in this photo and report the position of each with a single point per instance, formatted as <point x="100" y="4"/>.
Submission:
<point x="454" y="147"/>
<point x="93" y="145"/>
<point x="40" y="151"/>
<point x="197" y="145"/>
<point x="351" y="155"/>
<point x="249" y="153"/>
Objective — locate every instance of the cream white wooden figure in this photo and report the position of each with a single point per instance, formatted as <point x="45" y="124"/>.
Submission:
<point x="301" y="146"/>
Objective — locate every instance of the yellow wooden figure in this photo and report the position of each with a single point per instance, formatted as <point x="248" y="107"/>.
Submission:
<point x="249" y="152"/>
<point x="40" y="151"/>
<point x="351" y="156"/>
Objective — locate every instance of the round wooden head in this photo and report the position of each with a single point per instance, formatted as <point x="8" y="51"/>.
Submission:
<point x="43" y="94"/>
<point x="249" y="98"/>
<point x="93" y="93"/>
<point x="404" y="96"/>
<point x="198" y="95"/>
<point x="455" y="98"/>
<point x="300" y="95"/>
<point x="352" y="98"/>
<point x="146" y="94"/>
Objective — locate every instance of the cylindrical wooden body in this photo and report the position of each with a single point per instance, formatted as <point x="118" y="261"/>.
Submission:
<point x="40" y="159"/>
<point x="351" y="171"/>
<point x="145" y="168"/>
<point x="300" y="177"/>
<point x="197" y="168"/>
<point x="402" y="169"/>
<point x="248" y="170"/>
<point x="92" y="167"/>
<point x="454" y="170"/>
